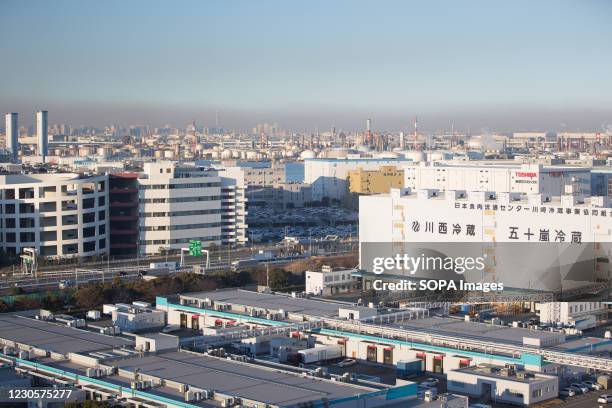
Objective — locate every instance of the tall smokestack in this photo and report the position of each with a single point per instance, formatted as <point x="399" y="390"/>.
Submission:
<point x="11" y="137"/>
<point x="42" y="135"/>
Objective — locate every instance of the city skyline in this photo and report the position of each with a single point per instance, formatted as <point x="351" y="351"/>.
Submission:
<point x="482" y="65"/>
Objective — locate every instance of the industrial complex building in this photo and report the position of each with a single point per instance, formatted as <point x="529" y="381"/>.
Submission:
<point x="498" y="176"/>
<point x="179" y="204"/>
<point x="58" y="215"/>
<point x="329" y="177"/>
<point x="233" y="347"/>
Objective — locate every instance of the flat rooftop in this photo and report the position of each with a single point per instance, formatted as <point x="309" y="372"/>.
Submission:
<point x="275" y="302"/>
<point x="56" y="337"/>
<point x="473" y="330"/>
<point x="493" y="372"/>
<point x="243" y="380"/>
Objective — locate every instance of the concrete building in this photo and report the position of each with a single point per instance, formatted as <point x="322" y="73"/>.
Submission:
<point x="220" y="307"/>
<point x="329" y="177"/>
<point x="581" y="315"/>
<point x="42" y="128"/>
<point x="233" y="206"/>
<point x="115" y="369"/>
<point x="178" y="204"/>
<point x="11" y="134"/>
<point x="281" y="196"/>
<point x="504" y="385"/>
<point x="328" y="281"/>
<point x="375" y="181"/>
<point x="254" y="180"/>
<point x="156" y="342"/>
<point x="487" y="219"/>
<point x="389" y="217"/>
<point x="498" y="176"/>
<point x="133" y="318"/>
<point x="601" y="181"/>
<point x="57" y="214"/>
<point x="123" y="211"/>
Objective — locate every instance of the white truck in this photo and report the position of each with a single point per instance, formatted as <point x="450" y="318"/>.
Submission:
<point x="244" y="264"/>
<point x="170" y="266"/>
<point x="320" y="353"/>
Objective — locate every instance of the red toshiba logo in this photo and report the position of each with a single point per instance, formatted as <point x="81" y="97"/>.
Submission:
<point x="525" y="174"/>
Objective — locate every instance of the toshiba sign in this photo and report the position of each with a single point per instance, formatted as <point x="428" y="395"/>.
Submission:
<point x="525" y="174"/>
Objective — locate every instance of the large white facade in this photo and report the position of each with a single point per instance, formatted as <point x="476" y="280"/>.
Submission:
<point x="178" y="204"/>
<point x="406" y="216"/>
<point x="328" y="281"/>
<point x="498" y="177"/>
<point x="581" y="315"/>
<point x="488" y="219"/>
<point x="59" y="215"/>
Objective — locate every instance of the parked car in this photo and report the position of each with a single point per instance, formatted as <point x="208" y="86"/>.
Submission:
<point x="567" y="392"/>
<point x="347" y="362"/>
<point x="605" y="398"/>
<point x="579" y="388"/>
<point x="593" y="385"/>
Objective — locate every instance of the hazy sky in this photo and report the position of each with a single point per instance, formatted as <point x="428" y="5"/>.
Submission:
<point x="494" y="64"/>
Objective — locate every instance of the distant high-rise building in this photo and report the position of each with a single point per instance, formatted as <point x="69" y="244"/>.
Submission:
<point x="41" y="133"/>
<point x="12" y="133"/>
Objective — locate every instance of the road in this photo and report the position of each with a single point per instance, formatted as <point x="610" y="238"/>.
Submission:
<point x="218" y="254"/>
<point x="129" y="270"/>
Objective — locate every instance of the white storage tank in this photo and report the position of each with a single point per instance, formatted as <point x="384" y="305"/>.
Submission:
<point x="415" y="156"/>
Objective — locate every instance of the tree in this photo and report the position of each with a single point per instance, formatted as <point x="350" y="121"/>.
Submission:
<point x="278" y="279"/>
<point x="90" y="297"/>
<point x="53" y="302"/>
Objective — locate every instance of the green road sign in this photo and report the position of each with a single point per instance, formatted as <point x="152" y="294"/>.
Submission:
<point x="195" y="248"/>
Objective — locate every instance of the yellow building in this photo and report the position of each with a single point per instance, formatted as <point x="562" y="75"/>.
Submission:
<point x="375" y="181"/>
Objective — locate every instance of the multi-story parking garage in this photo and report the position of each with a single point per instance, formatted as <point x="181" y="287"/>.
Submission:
<point x="57" y="214"/>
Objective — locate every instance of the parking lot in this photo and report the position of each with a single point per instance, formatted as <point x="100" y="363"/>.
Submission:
<point x="588" y="400"/>
<point x="270" y="225"/>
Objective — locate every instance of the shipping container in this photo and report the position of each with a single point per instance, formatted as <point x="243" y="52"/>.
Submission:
<point x="409" y="368"/>
<point x="322" y="353"/>
<point x="170" y="266"/>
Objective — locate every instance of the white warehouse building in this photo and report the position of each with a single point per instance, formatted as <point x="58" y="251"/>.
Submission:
<point x="329" y="177"/>
<point x="498" y="176"/>
<point x="57" y="214"/>
<point x="178" y="204"/>
<point x="489" y="219"/>
<point x="504" y="385"/>
<point x="580" y="315"/>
